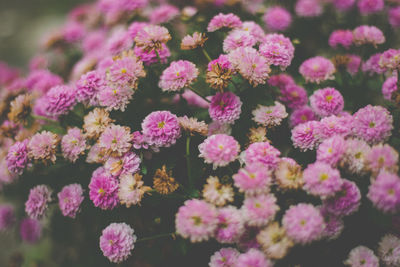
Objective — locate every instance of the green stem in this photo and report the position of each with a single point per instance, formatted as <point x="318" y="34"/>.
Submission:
<point x="199" y="94"/>
<point x="37" y="117"/>
<point x="158" y="56"/>
<point x="189" y="170"/>
<point x="206" y="54"/>
<point x="155" y="237"/>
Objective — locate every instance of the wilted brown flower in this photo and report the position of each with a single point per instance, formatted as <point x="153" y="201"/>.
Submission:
<point x="192" y="125"/>
<point x="274" y="241"/>
<point x="95" y="122"/>
<point x="20" y="108"/>
<point x="218" y="77"/>
<point x="217" y="193"/>
<point x="340" y="61"/>
<point x="258" y="134"/>
<point x="289" y="175"/>
<point x="163" y="182"/>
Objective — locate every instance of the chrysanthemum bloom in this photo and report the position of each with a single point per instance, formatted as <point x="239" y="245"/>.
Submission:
<point x="103" y="189"/>
<point x="365" y="34"/>
<point x="389" y="250"/>
<point x="95" y="122"/>
<point x="394" y="16"/>
<point x="131" y="189"/>
<point x="277" y="18"/>
<point x="224" y="21"/>
<point x="178" y="75"/>
<point x="373" y="124"/>
<point x="161" y="128"/>
<point x="253" y="179"/>
<point x="362" y="256"/>
<point x="317" y="69"/>
<point x="262" y="153"/>
<point x="87" y="87"/>
<point x="117" y="241"/>
<point x="225" y="107"/>
<point x="382" y="157"/>
<point x="30" y="230"/>
<point x="258" y="134"/>
<point x="152" y="37"/>
<point x="139" y="141"/>
<point x="301" y="115"/>
<point x="70" y="199"/>
<point x="303" y="223"/>
<point x="238" y="38"/>
<point x="224" y="257"/>
<point x="118" y="41"/>
<point x="293" y="96"/>
<point x="389" y="87"/>
<point x="308" y="8"/>
<point x="37" y="202"/>
<point x="20" y="108"/>
<point x="343" y="5"/>
<point x="126" y="70"/>
<point x="59" y="100"/>
<point x="217" y="193"/>
<point x="253" y="257"/>
<point x="384" y="192"/>
<point x="196" y="220"/>
<point x="354" y="158"/>
<point x="334" y="225"/>
<point x="353" y="64"/>
<point x="274" y="241"/>
<point x="163" y="182"/>
<point x="334" y="125"/>
<point x="115" y="140"/>
<point x="216" y="127"/>
<point x="193" y="126"/>
<point x="258" y="210"/>
<point x="276" y="54"/>
<point x="281" y="80"/>
<point x="150" y="57"/>
<point x="17" y="157"/>
<point x="193" y="41"/>
<point x="115" y="96"/>
<point x="304" y="135"/>
<point x="43" y="146"/>
<point x="189" y="11"/>
<point x="320" y="179"/>
<point x="250" y="64"/>
<point x="390" y="59"/>
<point x="230" y="225"/>
<point x="269" y="116"/>
<point x="163" y="14"/>
<point x="42" y="80"/>
<point x="371" y="66"/>
<point x="282" y="40"/>
<point x="128" y="163"/>
<point x="346" y="201"/>
<point x="219" y="73"/>
<point x="255" y="30"/>
<point x="341" y="37"/>
<point x="7" y="216"/>
<point x="331" y="150"/>
<point x="367" y="7"/>
<point x="73" y="144"/>
<point x="288" y="174"/>
<point x="219" y="149"/>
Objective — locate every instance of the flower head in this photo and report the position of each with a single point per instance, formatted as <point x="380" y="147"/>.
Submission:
<point x="341" y="37"/>
<point x="178" y="75"/>
<point x="163" y="181"/>
<point x="42" y="146"/>
<point x="277" y="18"/>
<point x="288" y="174"/>
<point x="384" y="192"/>
<point x="230" y="225"/>
<point x="224" y="21"/>
<point x="17" y="157"/>
<point x="389" y="250"/>
<point x="225" y="257"/>
<point x="30" y="230"/>
<point x="225" y="107"/>
<point x="362" y="256"/>
<point x="70" y="199"/>
<point x="253" y="179"/>
<point x="103" y="189"/>
<point x="217" y="193"/>
<point x="269" y="116"/>
<point x="326" y="102"/>
<point x="260" y="209"/>
<point x="73" y="144"/>
<point x="219" y="149"/>
<point x="115" y="140"/>
<point x="253" y="257"/>
<point x="7" y="216"/>
<point x="59" y="100"/>
<point x="365" y="34"/>
<point x="37" y="202"/>
<point x="152" y="37"/>
<point x="274" y="241"/>
<point x="131" y="189"/>
<point x="346" y="201"/>
<point x="317" y="69"/>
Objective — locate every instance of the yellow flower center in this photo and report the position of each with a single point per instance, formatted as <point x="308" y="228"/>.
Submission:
<point x="101" y="191"/>
<point x="123" y="70"/>
<point x="323" y="177"/>
<point x="303" y="117"/>
<point x="328" y="98"/>
<point x="196" y="220"/>
<point x="371" y="124"/>
<point x="391" y="191"/>
<point x="177" y="74"/>
<point x="161" y="124"/>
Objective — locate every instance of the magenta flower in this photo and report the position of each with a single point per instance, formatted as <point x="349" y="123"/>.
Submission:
<point x="390" y="59"/>
<point x="126" y="164"/>
<point x="384" y="192"/>
<point x="304" y="135"/>
<point x="394" y="16"/>
<point x="262" y="153"/>
<point x="341" y="37"/>
<point x="301" y="115"/>
<point x="308" y="8"/>
<point x="70" y="199"/>
<point x="7" y="216"/>
<point x="326" y="102"/>
<point x="331" y="150"/>
<point x="117" y="241"/>
<point x="73" y="144"/>
<point x="37" y="202"/>
<point x="346" y="201"/>
<point x="88" y="86"/>
<point x="224" y="21"/>
<point x="42" y="80"/>
<point x="230" y="225"/>
<point x="367" y="7"/>
<point x="372" y="66"/>
<point x="254" y="258"/>
<point x="103" y="190"/>
<point x="259" y="210"/>
<point x="344" y="5"/>
<point x="161" y="128"/>
<point x="382" y="157"/>
<point x="317" y="69"/>
<point x="152" y="37"/>
<point x="115" y="140"/>
<point x="150" y="57"/>
<point x="17" y="157"/>
<point x="293" y="96"/>
<point x="224" y="257"/>
<point x="59" y="100"/>
<point x="277" y="54"/>
<point x="277" y="18"/>
<point x="225" y="107"/>
<point x="30" y="230"/>
<point x="365" y="34"/>
<point x="253" y="179"/>
<point x="238" y="38"/>
<point x="219" y="149"/>
<point x="178" y="75"/>
<point x="163" y="14"/>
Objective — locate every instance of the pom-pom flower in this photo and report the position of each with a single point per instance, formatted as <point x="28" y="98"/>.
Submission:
<point x="117" y="241"/>
<point x="389" y="250"/>
<point x="331" y="150"/>
<point x="389" y="87"/>
<point x="224" y="21"/>
<point x="304" y="135"/>
<point x="253" y="257"/>
<point x="196" y="220"/>
<point x="216" y="193"/>
<point x="370" y="6"/>
<point x="341" y="37"/>
<point x="384" y="192"/>
<point x="73" y="144"/>
<point x="131" y="189"/>
<point x="37" y="202"/>
<point x="219" y="149"/>
<point x="382" y="157"/>
<point x="7" y="216"/>
<point x="225" y="107"/>
<point x="30" y="230"/>
<point x="17" y="157"/>
<point x="288" y="174"/>
<point x="115" y="140"/>
<point x="274" y="241"/>
<point x="87" y="87"/>
<point x="346" y="201"/>
<point x="277" y="18"/>
<point x="260" y="209"/>
<point x="293" y="96"/>
<point x="253" y="179"/>
<point x="224" y="257"/>
<point x="317" y="69"/>
<point x="301" y="115"/>
<point x="59" y="100"/>
<point x="151" y="37"/>
<point x="128" y="163"/>
<point x="178" y="75"/>
<point x="303" y="223"/>
<point x="326" y="102"/>
<point x="262" y="153"/>
<point x="230" y="225"/>
<point x="103" y="190"/>
<point x="362" y="256"/>
<point x="70" y="199"/>
<point x="365" y="34"/>
<point x="269" y="116"/>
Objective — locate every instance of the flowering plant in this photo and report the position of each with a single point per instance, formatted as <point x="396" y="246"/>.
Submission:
<point x="221" y="133"/>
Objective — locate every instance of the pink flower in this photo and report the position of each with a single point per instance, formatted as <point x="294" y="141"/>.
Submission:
<point x="362" y="256"/>
<point x="331" y="150"/>
<point x="293" y="96"/>
<point x="117" y="241"/>
<point x="355" y="155"/>
<point x="382" y="157"/>
<point x="59" y="100"/>
<point x="127" y="164"/>
<point x="301" y="115"/>
<point x="219" y="149"/>
<point x="230" y="225"/>
<point x="88" y="85"/>
<point x="308" y="8"/>
<point x="255" y="30"/>
<point x="303" y="223"/>
<point x="17" y="157"/>
<point x="269" y="116"/>
<point x="119" y="41"/>
<point x="103" y="190"/>
<point x="390" y="59"/>
<point x="73" y="144"/>
<point x="304" y="135"/>
<point x="373" y="124"/>
<point x="259" y="210"/>
<point x="152" y="37"/>
<point x="277" y="54"/>
<point x="354" y="64"/>
<point x="368" y="35"/>
<point x="30" y="230"/>
<point x="262" y="153"/>
<point x="42" y="80"/>
<point x="37" y="202"/>
<point x="224" y="20"/>
<point x="196" y="220"/>
<point x="326" y="102"/>
<point x="114" y="96"/>
<point x="384" y="192"/>
<point x="225" y="257"/>
<point x="150" y="57"/>
<point x="42" y="146"/>
<point x="70" y="199"/>
<point x="389" y="87"/>
<point x="277" y="18"/>
<point x="126" y="71"/>
<point x="341" y="37"/>
<point x="344" y="202"/>
<point x="225" y="107"/>
<point x="334" y="125"/>
<point x="163" y="14"/>
<point x="178" y="75"/>
<point x="7" y="216"/>
<point x="281" y="80"/>
<point x="254" y="258"/>
<point x="317" y="69"/>
<point x="367" y="7"/>
<point x="253" y="179"/>
<point x="344" y="5"/>
<point x="320" y="179"/>
<point x="115" y="140"/>
<point x="372" y="66"/>
<point x="238" y="38"/>
<point x="161" y="128"/>
<point x="394" y="16"/>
